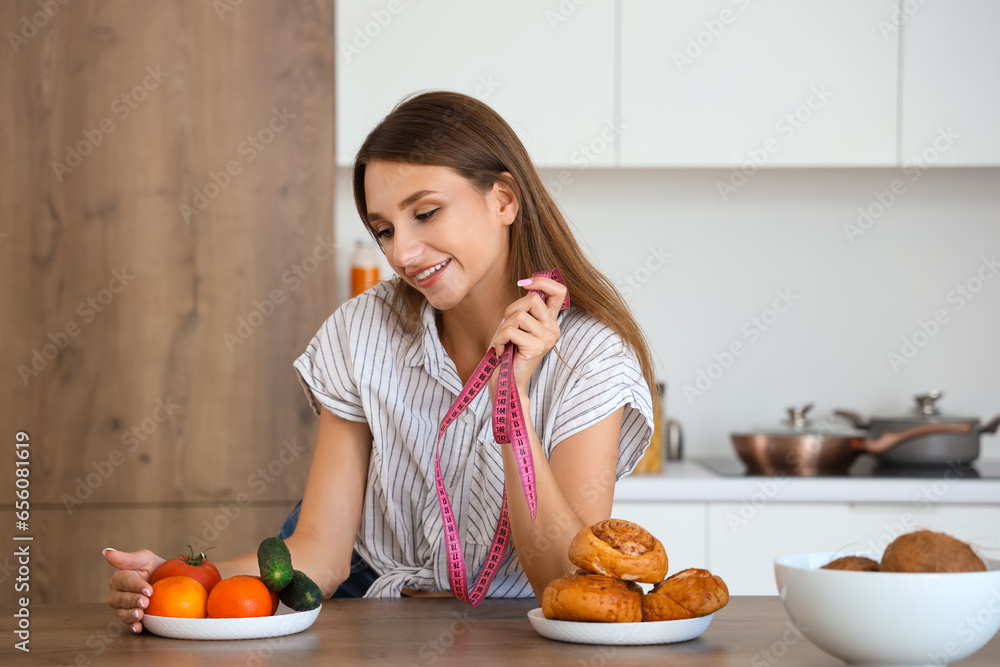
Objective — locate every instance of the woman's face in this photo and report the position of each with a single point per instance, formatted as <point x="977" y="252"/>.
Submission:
<point x="439" y="232"/>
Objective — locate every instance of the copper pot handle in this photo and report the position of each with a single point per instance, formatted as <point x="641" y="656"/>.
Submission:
<point x="887" y="441"/>
<point x="852" y="417"/>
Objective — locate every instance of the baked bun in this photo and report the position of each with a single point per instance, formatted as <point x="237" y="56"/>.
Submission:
<point x="852" y="563"/>
<point x="620" y="549"/>
<point x="687" y="594"/>
<point x="592" y="597"/>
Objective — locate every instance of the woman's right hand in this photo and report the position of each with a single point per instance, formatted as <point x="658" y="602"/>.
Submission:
<point x="130" y="587"/>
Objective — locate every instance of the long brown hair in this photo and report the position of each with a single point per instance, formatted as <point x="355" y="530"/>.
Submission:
<point x="453" y="130"/>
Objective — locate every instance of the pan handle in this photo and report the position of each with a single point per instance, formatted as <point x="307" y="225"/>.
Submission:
<point x="889" y="440"/>
<point x="991" y="427"/>
<point x="852" y="417"/>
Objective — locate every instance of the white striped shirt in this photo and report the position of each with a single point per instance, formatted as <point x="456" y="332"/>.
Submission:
<point x="358" y="368"/>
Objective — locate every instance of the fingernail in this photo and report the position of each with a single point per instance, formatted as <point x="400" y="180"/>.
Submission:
<point x="105" y="550"/>
<point x="142" y="603"/>
<point x="147" y="592"/>
<point x="135" y="614"/>
<point x="503" y="320"/>
<point x="524" y="283"/>
<point x="136" y="630"/>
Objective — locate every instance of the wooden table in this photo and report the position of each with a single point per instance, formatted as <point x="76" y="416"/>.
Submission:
<point x="750" y="632"/>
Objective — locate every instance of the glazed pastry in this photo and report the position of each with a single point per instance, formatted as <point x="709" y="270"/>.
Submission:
<point x="620" y="549"/>
<point x="687" y="594"/>
<point x="594" y="598"/>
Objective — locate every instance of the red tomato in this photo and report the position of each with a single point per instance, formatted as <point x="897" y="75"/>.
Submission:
<point x="194" y="566"/>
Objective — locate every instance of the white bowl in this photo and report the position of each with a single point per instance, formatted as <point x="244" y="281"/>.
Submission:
<point x="889" y="618"/>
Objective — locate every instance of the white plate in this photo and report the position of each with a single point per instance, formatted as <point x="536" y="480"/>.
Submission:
<point x="284" y="622"/>
<point x="620" y="634"/>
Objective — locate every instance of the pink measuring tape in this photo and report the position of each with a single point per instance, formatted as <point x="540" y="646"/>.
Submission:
<point x="506" y="404"/>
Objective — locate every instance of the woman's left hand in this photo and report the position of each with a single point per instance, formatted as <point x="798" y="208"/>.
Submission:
<point x="529" y="323"/>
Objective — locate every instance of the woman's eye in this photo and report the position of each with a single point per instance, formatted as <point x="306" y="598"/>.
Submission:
<point x="429" y="214"/>
<point x="383" y="234"/>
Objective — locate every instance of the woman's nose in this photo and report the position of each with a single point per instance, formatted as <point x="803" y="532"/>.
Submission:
<point x="406" y="246"/>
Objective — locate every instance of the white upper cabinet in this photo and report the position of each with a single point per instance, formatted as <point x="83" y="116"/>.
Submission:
<point x="547" y="68"/>
<point x="951" y="83"/>
<point x="776" y="83"/>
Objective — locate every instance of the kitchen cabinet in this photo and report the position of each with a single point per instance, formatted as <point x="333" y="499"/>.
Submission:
<point x="950" y="98"/>
<point x="547" y="69"/>
<point x="697" y="89"/>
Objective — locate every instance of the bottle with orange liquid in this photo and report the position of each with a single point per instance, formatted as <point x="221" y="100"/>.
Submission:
<point x="652" y="460"/>
<point x="364" y="266"/>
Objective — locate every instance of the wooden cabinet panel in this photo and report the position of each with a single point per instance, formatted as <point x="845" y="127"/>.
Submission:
<point x="167" y="245"/>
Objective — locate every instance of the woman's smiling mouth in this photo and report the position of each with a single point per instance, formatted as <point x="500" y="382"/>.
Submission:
<point x="424" y="275"/>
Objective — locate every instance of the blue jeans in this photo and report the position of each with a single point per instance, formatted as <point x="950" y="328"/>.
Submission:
<point x="361" y="577"/>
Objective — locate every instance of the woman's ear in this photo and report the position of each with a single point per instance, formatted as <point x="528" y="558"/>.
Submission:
<point x="505" y="201"/>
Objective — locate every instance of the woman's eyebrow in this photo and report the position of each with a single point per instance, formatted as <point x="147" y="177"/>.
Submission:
<point x="374" y="217"/>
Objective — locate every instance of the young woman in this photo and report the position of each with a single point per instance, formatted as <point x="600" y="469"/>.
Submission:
<point x="448" y="191"/>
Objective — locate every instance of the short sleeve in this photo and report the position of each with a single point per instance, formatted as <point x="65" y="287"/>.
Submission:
<point x="607" y="377"/>
<point x="326" y="370"/>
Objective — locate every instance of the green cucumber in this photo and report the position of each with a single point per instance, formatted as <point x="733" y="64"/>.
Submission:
<point x="302" y="594"/>
<point x="275" y="562"/>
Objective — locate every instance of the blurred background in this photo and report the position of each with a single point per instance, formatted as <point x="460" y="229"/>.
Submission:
<point x="800" y="201"/>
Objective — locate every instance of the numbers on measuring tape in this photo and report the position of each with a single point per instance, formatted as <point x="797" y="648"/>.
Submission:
<point x="507" y="402"/>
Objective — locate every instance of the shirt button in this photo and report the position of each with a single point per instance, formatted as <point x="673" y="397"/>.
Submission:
<point x="468" y="418"/>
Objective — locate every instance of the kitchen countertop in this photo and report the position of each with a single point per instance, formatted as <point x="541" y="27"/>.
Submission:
<point x="691" y="481"/>
<point x="417" y="632"/>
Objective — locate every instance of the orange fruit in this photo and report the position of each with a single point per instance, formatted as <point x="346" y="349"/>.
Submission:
<point x="241" y="596"/>
<point x="180" y="597"/>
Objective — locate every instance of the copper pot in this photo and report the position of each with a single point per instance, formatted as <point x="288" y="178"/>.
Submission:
<point x="806" y="448"/>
